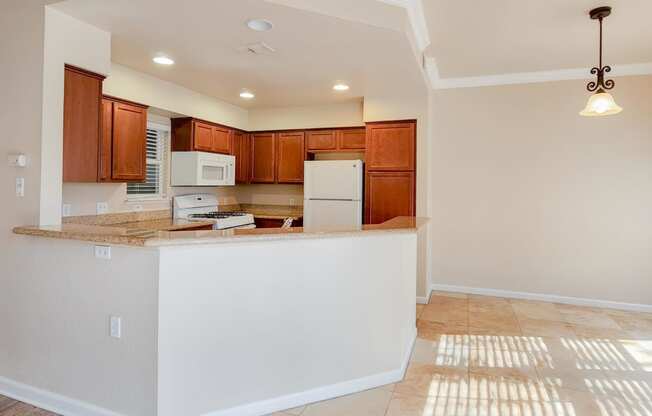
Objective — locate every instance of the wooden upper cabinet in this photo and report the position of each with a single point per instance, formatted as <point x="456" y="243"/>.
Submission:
<point x="129" y="142"/>
<point x="389" y="195"/>
<point x="391" y="146"/>
<point x="82" y="109"/>
<point x="290" y="157"/>
<point x="242" y="151"/>
<point x="263" y="157"/>
<point x="222" y="139"/>
<point x="189" y="134"/>
<point x="321" y="140"/>
<point x="123" y="142"/>
<point x="202" y="136"/>
<point x="351" y="139"/>
<point x="106" y="139"/>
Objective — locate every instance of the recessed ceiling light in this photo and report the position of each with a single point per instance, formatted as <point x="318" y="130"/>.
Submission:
<point x="340" y="87"/>
<point x="259" y="25"/>
<point x="163" y="60"/>
<point x="247" y="95"/>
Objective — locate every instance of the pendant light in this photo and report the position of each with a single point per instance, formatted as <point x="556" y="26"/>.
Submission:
<point x="601" y="103"/>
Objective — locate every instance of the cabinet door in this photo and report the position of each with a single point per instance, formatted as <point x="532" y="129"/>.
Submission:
<point x="351" y="139"/>
<point x="222" y="137"/>
<point x="203" y="136"/>
<point x="321" y="140"/>
<point x="391" y="146"/>
<point x="389" y="195"/>
<point x="129" y="142"/>
<point x="82" y="107"/>
<point x="106" y="140"/>
<point x="290" y="156"/>
<point x="242" y="153"/>
<point x="263" y="157"/>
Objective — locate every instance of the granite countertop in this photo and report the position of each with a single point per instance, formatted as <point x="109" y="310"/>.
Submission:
<point x="133" y="234"/>
<point x="272" y="212"/>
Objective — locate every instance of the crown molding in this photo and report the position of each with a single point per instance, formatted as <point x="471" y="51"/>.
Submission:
<point x="438" y="83"/>
<point x="417" y="19"/>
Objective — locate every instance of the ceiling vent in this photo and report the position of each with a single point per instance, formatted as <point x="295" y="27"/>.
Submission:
<point x="260" y="48"/>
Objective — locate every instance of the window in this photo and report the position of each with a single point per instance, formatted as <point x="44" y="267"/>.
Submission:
<point x="155" y="185"/>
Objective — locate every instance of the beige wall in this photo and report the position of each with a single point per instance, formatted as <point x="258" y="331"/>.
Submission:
<point x="137" y="86"/>
<point x="529" y="196"/>
<point x="67" y="41"/>
<point x="346" y="114"/>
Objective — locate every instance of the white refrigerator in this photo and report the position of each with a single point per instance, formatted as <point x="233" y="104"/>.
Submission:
<point x="332" y="194"/>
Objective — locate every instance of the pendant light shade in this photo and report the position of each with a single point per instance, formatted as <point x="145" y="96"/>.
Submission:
<point x="601" y="104"/>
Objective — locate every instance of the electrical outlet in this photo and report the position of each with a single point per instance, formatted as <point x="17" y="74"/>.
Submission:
<point x="20" y="187"/>
<point x="103" y="252"/>
<point x="102" y="208"/>
<point x="66" y="210"/>
<point x="292" y="201"/>
<point x="137" y="207"/>
<point x="115" y="327"/>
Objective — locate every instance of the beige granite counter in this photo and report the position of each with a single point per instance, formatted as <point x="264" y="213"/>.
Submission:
<point x="136" y="235"/>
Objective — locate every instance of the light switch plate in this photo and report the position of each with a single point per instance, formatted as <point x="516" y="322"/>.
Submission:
<point x="66" y="210"/>
<point x="20" y="187"/>
<point x="102" y="208"/>
<point x="103" y="252"/>
<point x="115" y="327"/>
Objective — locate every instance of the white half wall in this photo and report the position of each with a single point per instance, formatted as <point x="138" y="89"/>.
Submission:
<point x="56" y="351"/>
<point x="248" y="338"/>
<point x="67" y="41"/>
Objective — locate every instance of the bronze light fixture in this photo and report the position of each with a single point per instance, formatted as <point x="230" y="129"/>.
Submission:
<point x="601" y="103"/>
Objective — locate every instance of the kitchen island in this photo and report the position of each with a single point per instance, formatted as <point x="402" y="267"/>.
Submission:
<point x="237" y="322"/>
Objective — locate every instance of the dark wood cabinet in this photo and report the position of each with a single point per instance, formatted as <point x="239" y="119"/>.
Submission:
<point x="190" y="134"/>
<point x="222" y="139"/>
<point x="242" y="152"/>
<point x="202" y="137"/>
<point x="391" y="146"/>
<point x="129" y="142"/>
<point x="321" y="140"/>
<point x="290" y="154"/>
<point x="351" y="139"/>
<point x="123" y="142"/>
<point x="275" y="222"/>
<point x="263" y="157"/>
<point x="389" y="195"/>
<point x="390" y="185"/>
<point x="82" y="112"/>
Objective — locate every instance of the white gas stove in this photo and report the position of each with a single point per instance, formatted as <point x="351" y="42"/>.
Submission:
<point x="205" y="208"/>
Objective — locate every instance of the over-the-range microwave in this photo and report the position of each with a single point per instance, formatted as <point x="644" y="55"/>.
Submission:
<point x="202" y="169"/>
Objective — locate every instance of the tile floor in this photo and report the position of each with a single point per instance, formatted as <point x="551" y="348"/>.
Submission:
<point x="488" y="356"/>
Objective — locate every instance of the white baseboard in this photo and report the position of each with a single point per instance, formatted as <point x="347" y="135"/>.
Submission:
<point x="636" y="307"/>
<point x="422" y="300"/>
<point x="53" y="402"/>
<point x="290" y="401"/>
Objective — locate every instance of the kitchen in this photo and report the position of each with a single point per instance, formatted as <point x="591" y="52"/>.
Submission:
<point x="119" y="147"/>
<point x="166" y="210"/>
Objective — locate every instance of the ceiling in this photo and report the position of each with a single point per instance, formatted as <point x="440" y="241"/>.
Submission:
<point x="480" y="38"/>
<point x="207" y="39"/>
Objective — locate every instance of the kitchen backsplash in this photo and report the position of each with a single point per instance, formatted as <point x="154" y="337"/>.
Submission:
<point x="83" y="198"/>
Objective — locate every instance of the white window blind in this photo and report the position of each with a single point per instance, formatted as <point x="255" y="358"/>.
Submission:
<point x="155" y="185"/>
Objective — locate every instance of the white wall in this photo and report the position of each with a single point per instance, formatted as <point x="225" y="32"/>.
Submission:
<point x="528" y="196"/>
<point x="67" y="41"/>
<point x="279" y="327"/>
<point x="54" y="316"/>
<point x="345" y="114"/>
<point x="136" y="86"/>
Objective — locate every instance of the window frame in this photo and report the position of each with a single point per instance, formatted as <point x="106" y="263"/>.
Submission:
<point x="164" y="163"/>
